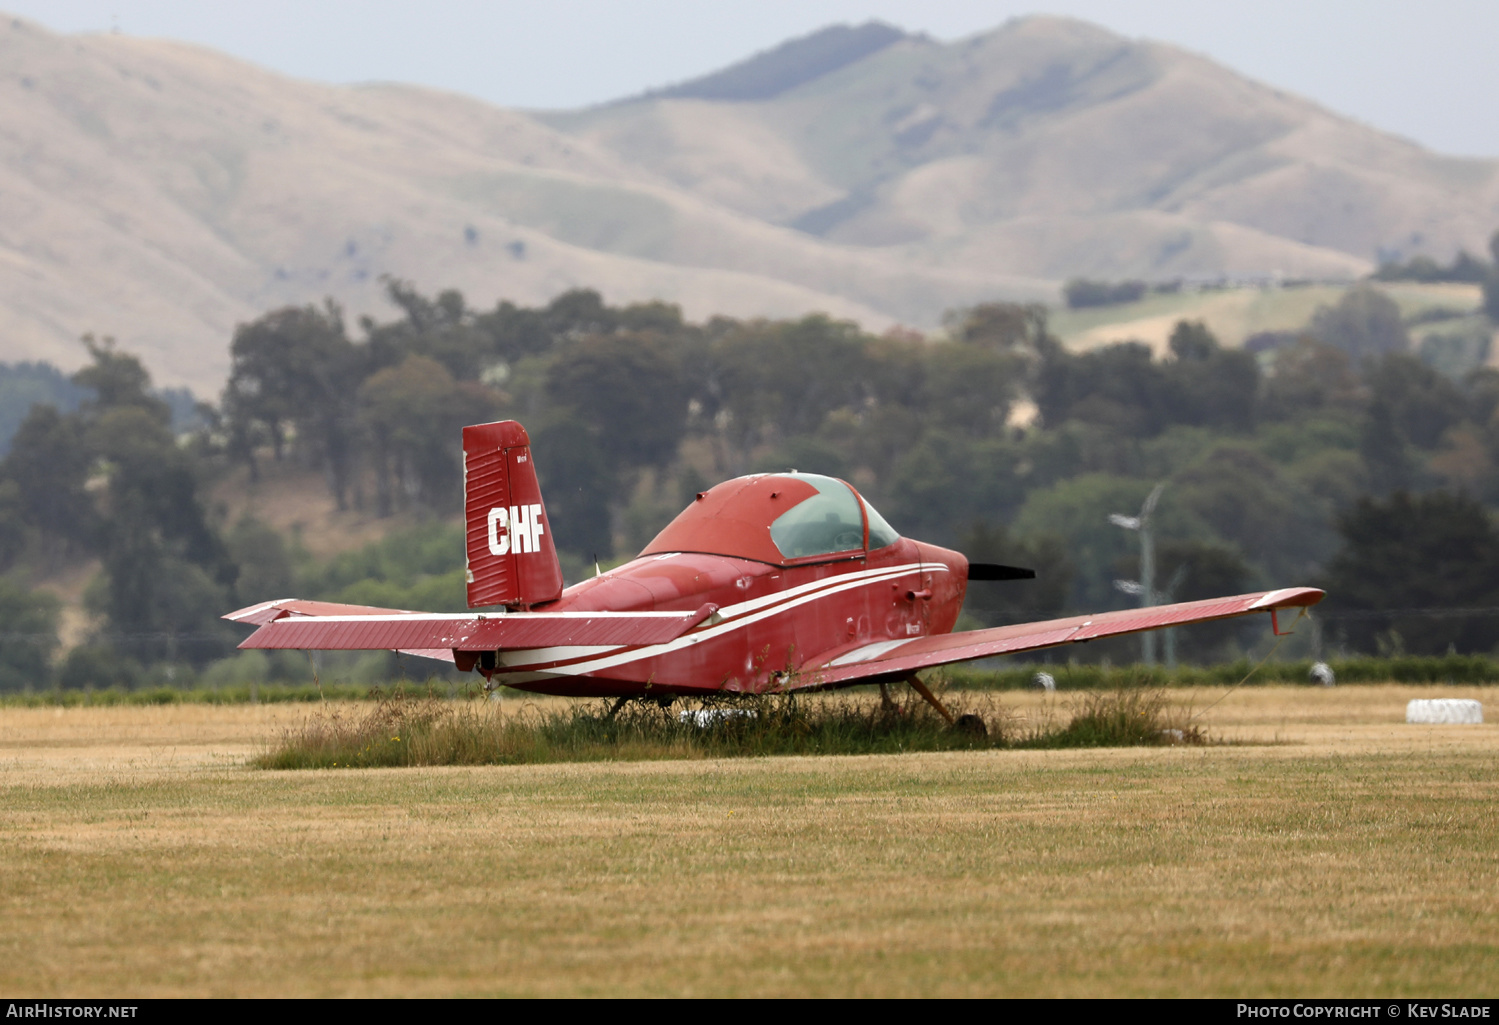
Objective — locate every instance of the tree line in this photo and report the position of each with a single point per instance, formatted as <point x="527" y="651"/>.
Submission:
<point x="1287" y="464"/>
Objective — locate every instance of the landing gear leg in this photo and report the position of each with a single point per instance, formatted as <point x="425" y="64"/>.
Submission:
<point x="886" y="704"/>
<point x="617" y="706"/>
<point x="931" y="699"/>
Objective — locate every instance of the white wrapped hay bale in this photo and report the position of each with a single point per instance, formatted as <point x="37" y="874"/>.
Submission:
<point x="1043" y="681"/>
<point x="1444" y="710"/>
<point x="1322" y="674"/>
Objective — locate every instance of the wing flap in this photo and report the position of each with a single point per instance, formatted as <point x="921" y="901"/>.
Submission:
<point x="421" y="632"/>
<point x="890" y="660"/>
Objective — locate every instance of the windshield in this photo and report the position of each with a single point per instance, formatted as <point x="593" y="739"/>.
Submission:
<point x="775" y="518"/>
<point x="880" y="532"/>
<point x="827" y="522"/>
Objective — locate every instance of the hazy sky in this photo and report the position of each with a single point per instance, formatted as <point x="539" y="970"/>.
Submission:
<point x="1428" y="71"/>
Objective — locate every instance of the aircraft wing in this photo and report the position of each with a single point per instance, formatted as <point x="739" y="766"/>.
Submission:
<point x="896" y="659"/>
<point x="323" y="626"/>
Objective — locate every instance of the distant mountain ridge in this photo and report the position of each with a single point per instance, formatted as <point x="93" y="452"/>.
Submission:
<point x="162" y="193"/>
<point x="795" y="62"/>
<point x="1055" y="146"/>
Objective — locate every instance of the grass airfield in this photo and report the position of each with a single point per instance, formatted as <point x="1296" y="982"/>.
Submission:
<point x="1326" y="848"/>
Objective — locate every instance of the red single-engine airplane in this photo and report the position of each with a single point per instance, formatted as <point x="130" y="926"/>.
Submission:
<point x="771" y="582"/>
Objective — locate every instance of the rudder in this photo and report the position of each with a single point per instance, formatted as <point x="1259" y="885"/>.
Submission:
<point x="511" y="559"/>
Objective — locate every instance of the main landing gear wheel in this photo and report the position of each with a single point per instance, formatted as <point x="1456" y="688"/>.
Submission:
<point x="661" y="702"/>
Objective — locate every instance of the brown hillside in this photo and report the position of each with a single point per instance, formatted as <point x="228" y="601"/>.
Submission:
<point x="1057" y="147"/>
<point x="296" y="501"/>
<point x="161" y="192"/>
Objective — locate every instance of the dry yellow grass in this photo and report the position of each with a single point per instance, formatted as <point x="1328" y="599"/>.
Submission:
<point x="1351" y="853"/>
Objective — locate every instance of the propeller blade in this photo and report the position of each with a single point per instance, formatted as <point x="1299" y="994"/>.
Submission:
<point x="994" y="571"/>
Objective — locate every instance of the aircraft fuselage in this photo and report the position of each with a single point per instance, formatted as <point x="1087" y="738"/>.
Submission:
<point x="771" y="620"/>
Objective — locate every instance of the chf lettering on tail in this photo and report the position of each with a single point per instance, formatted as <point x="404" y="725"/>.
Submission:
<point x="511" y="558"/>
<point x="521" y="522"/>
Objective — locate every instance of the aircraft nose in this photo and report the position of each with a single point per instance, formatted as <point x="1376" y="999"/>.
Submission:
<point x="955" y="580"/>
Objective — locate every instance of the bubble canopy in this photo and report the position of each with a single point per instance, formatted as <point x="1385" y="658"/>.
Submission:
<point x="777" y="518"/>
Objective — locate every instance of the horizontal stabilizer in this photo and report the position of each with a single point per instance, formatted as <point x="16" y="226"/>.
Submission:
<point x="266" y="611"/>
<point x="896" y="659"/>
<point x="424" y="632"/>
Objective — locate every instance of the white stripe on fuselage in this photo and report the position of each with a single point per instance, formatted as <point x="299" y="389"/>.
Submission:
<point x="734" y="619"/>
<point x="560" y="653"/>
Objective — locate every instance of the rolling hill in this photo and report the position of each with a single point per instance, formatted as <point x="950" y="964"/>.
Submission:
<point x="162" y="193"/>
<point x="1056" y="147"/>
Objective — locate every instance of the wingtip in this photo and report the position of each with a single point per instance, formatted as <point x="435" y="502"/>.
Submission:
<point x="1289" y="597"/>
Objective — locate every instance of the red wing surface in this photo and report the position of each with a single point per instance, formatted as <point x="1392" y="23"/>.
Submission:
<point x="896" y="659"/>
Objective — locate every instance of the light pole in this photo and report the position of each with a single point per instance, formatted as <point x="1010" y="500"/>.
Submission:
<point x="1170" y="595"/>
<point x="1145" y="587"/>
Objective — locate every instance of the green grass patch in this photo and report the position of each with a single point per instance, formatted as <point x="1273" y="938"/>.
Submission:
<point x="406" y="730"/>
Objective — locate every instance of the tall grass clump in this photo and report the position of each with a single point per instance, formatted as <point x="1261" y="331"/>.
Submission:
<point x="1123" y="717"/>
<point x="402" y="729"/>
<point x="405" y="730"/>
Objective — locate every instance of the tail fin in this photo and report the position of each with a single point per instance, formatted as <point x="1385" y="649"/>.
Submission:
<point x="511" y="558"/>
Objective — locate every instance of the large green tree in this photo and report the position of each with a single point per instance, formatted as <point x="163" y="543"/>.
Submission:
<point x="294" y="372"/>
<point x="1411" y="570"/>
<point x="1365" y="323"/>
<point x="1211" y="386"/>
<point x="629" y="389"/>
<point x="415" y="413"/>
<point x="1000" y="602"/>
<point x="579" y="480"/>
<point x="28" y="636"/>
<point x="110" y="479"/>
<point x="167" y="574"/>
<point x="47" y="471"/>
